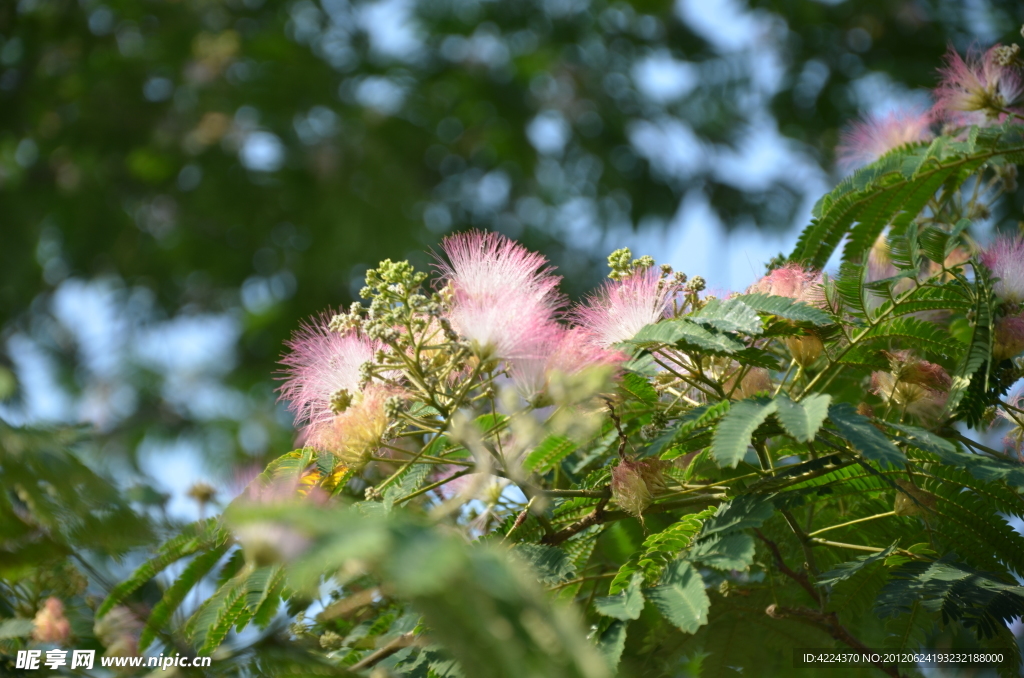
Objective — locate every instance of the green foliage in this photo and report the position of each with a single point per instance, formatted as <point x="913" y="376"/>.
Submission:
<point x="687" y="333"/>
<point x="864" y="437"/>
<point x="200" y="566"/>
<point x="681" y="597"/>
<point x="627" y="603"/>
<point x="552" y="565"/>
<point x="803" y="418"/>
<point x="978" y="600"/>
<point x="194" y="538"/>
<point x="787" y="308"/>
<point x="658" y="550"/>
<point x="733" y="434"/>
<point x="894" y="190"/>
<point x="549" y="453"/>
<point x="853" y="567"/>
<point x="624" y="500"/>
<point x="730" y="316"/>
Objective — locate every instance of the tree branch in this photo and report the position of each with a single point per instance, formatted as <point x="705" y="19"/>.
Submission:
<point x="829" y="623"/>
<point x="402" y="641"/>
<point x="599" y="516"/>
<point x="798" y="577"/>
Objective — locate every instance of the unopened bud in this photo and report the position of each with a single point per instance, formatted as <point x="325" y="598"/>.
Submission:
<point x="805" y="350"/>
<point x="912" y="500"/>
<point x="634" y="484"/>
<point x="340" y="401"/>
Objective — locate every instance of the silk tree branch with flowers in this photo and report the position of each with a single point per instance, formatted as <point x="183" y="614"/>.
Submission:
<point x="493" y="481"/>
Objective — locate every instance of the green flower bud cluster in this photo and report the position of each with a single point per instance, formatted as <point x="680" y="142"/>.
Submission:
<point x="623" y="264"/>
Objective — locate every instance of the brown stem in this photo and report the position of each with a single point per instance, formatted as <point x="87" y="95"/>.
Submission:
<point x="829" y="623"/>
<point x="798" y="577"/>
<point x="599" y="516"/>
<point x="346" y="606"/>
<point x="402" y="641"/>
<point x="618" y="427"/>
<point x="520" y="519"/>
<point x="593" y="518"/>
<point x="804" y="540"/>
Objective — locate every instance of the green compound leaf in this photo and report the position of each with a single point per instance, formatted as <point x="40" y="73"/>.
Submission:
<point x="725" y="552"/>
<point x="784" y="307"/>
<point x="612" y="642"/>
<point x="638" y="387"/>
<point x="175" y="594"/>
<point x="864" y="437"/>
<point x="729" y="316"/>
<point x="846" y="570"/>
<point x="551" y="565"/>
<point x="681" y="597"/>
<point x="803" y="419"/>
<point x="688" y="332"/>
<point x="627" y="604"/>
<point x="733" y="435"/>
<point x="549" y="453"/>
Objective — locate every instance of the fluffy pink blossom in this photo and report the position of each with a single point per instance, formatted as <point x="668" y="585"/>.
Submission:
<point x="1015" y="438"/>
<point x="356" y="432"/>
<point x="636" y="483"/>
<point x="119" y="631"/>
<point x="267" y="542"/>
<point x="870" y="139"/>
<point x="621" y="308"/>
<point x="979" y="85"/>
<point x="919" y="387"/>
<point x="51" y="626"/>
<point x="503" y="296"/>
<point x="568" y="351"/>
<point x="321" y="363"/>
<point x="1005" y="258"/>
<point x="793" y="281"/>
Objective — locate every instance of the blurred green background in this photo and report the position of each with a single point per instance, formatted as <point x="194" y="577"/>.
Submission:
<point x="183" y="181"/>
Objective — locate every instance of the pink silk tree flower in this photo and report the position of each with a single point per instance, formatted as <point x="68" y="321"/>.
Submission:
<point x="503" y="295"/>
<point x="1005" y="258"/>
<point x="870" y="139"/>
<point x="562" y="350"/>
<point x="322" y="371"/>
<point x="793" y="281"/>
<point x="359" y="429"/>
<point x="1015" y="438"/>
<point x="981" y="84"/>
<point x="51" y="626"/>
<point x="119" y="631"/>
<point x="621" y="308"/>
<point x="919" y="387"/>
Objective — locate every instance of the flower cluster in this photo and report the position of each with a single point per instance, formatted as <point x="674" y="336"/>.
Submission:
<point x="870" y="139"/>
<point x="494" y="360"/>
<point x="983" y="89"/>
<point x="796" y="282"/>
<point x="1005" y="260"/>
<point x="495" y="319"/>
<point x="912" y="385"/>
<point x="984" y="86"/>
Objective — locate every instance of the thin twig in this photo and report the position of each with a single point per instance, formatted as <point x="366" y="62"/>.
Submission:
<point x="852" y="522"/>
<point x="829" y="623"/>
<point x="798" y="577"/>
<point x="402" y="641"/>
